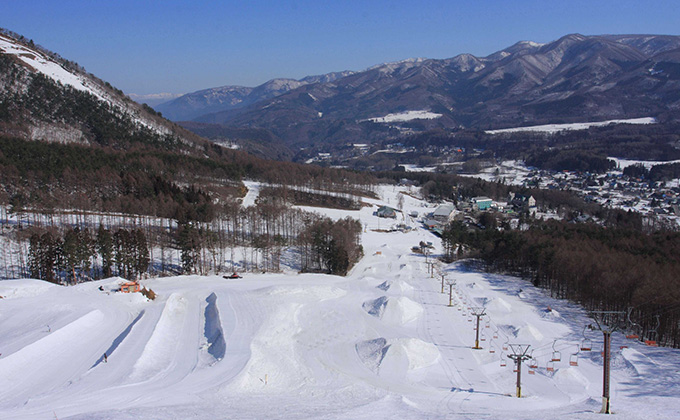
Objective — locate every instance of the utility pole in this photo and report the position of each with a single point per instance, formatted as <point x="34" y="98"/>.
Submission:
<point x="479" y="313"/>
<point x="442" y="275"/>
<point x="519" y="354"/>
<point x="451" y="283"/>
<point x="607" y="322"/>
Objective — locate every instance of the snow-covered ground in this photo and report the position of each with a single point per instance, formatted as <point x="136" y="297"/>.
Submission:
<point x="379" y="343"/>
<point x="622" y="164"/>
<point x="554" y="128"/>
<point x="405" y="116"/>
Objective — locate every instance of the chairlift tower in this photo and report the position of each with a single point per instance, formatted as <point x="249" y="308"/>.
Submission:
<point x="479" y="313"/>
<point x="519" y="354"/>
<point x="451" y="283"/>
<point x="607" y="322"/>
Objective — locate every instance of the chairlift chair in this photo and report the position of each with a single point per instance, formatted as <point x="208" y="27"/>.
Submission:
<point x="550" y="367"/>
<point x="556" y="356"/>
<point x="586" y="345"/>
<point x="533" y="363"/>
<point x="503" y="362"/>
<point x="573" y="360"/>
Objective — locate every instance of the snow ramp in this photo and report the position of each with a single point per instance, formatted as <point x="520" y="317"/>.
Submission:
<point x="50" y="361"/>
<point x="160" y="350"/>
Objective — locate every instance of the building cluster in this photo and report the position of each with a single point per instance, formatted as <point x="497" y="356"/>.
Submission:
<point x="616" y="190"/>
<point x="468" y="211"/>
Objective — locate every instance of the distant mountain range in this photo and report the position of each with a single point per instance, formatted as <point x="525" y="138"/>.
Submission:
<point x="573" y="79"/>
<point x="192" y="105"/>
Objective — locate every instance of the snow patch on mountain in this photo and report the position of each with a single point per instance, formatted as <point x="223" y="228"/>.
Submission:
<point x="405" y="116"/>
<point x="554" y="128"/>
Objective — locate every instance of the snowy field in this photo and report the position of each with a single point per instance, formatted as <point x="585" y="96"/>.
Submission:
<point x="380" y="343"/>
<point x="554" y="128"/>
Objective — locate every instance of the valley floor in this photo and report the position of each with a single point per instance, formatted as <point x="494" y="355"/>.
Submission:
<point x="380" y="343"/>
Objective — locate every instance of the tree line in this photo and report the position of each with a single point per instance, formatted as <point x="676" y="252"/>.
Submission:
<point x="256" y="238"/>
<point x="602" y="268"/>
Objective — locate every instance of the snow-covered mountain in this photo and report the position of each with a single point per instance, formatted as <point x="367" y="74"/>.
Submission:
<point x="573" y="79"/>
<point x="45" y="97"/>
<point x="207" y="101"/>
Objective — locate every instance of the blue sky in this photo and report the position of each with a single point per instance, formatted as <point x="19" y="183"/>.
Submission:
<point x="181" y="46"/>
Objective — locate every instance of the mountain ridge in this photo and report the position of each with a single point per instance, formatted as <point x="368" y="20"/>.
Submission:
<point x="575" y="78"/>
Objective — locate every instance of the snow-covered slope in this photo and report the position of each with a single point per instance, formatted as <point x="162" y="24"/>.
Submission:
<point x="555" y="128"/>
<point x="380" y="343"/>
<point x="38" y="62"/>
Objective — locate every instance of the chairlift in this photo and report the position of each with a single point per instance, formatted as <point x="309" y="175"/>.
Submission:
<point x="488" y="324"/>
<point x="505" y="345"/>
<point x="503" y="362"/>
<point x="550" y="367"/>
<point x="633" y="335"/>
<point x="482" y="338"/>
<point x="586" y="344"/>
<point x="533" y="363"/>
<point x="652" y="334"/>
<point x="495" y="334"/>
<point x="492" y="350"/>
<point x="573" y="360"/>
<point x="556" y="356"/>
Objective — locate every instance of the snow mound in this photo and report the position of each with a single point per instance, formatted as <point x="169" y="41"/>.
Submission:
<point x="375" y="307"/>
<point x="571" y="375"/>
<point x="12" y="289"/>
<point x="276" y="363"/>
<point x="499" y="304"/>
<point x="316" y="293"/>
<point x="385" y="286"/>
<point x="529" y="332"/>
<point x="397" y="286"/>
<point x="372" y="352"/>
<point x="400" y="310"/>
<point x="396" y="356"/>
<point x="159" y="351"/>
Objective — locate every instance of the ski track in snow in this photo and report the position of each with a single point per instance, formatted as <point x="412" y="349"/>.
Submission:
<point x="380" y="343"/>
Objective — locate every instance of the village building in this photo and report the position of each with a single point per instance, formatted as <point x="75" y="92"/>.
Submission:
<point x="481" y="203"/>
<point x="387" y="212"/>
